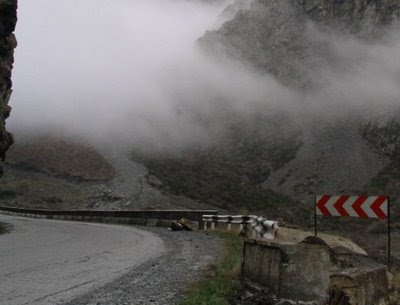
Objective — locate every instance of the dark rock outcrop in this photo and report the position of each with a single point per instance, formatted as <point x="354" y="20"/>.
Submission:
<point x="8" y="20"/>
<point x="354" y="16"/>
<point x="276" y="36"/>
<point x="294" y="41"/>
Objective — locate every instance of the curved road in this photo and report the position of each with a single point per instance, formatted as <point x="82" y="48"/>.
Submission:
<point x="48" y="262"/>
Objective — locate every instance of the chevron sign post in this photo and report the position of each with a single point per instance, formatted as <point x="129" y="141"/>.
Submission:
<point x="354" y="206"/>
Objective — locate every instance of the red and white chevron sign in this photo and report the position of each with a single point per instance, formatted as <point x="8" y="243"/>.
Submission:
<point x="353" y="206"/>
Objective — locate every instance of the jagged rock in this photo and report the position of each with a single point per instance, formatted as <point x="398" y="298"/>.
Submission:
<point x="355" y="16"/>
<point x="232" y="9"/>
<point x="8" y="20"/>
<point x="270" y="36"/>
<point x="274" y="35"/>
<point x="292" y="41"/>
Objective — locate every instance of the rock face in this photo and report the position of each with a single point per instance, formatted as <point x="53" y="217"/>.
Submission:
<point x="354" y="16"/>
<point x="292" y="40"/>
<point x="274" y="35"/>
<point x="8" y="20"/>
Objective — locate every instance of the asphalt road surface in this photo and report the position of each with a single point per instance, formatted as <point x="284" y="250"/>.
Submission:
<point x="45" y="262"/>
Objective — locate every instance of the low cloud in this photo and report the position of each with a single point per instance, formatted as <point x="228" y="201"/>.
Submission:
<point x="129" y="72"/>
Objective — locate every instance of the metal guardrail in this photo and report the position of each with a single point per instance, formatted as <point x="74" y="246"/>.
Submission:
<point x="265" y="228"/>
<point x="90" y="215"/>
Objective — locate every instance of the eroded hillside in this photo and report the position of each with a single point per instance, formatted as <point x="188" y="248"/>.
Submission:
<point x="308" y="46"/>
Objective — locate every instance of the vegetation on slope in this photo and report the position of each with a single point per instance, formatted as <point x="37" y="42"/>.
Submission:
<point x="230" y="174"/>
<point x="30" y="189"/>
<point x="60" y="157"/>
<point x="224" y="278"/>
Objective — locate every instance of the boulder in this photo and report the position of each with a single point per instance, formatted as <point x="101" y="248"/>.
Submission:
<point x="189" y="225"/>
<point x="176" y="226"/>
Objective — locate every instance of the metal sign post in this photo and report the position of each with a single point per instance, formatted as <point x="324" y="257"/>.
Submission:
<point x="354" y="206"/>
<point x="315" y="218"/>
<point x="389" y="250"/>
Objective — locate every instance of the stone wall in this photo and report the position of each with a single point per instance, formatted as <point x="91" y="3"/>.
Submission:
<point x="8" y="20"/>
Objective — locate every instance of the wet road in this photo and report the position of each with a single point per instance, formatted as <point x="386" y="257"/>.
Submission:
<point x="51" y="262"/>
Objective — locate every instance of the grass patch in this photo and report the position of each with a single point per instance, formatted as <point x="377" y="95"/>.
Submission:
<point x="216" y="288"/>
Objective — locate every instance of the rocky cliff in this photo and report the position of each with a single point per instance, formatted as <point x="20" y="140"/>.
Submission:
<point x="295" y="41"/>
<point x="279" y="36"/>
<point x="8" y="20"/>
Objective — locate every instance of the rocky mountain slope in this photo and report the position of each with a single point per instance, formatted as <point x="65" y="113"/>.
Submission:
<point x="61" y="158"/>
<point x="277" y="37"/>
<point x="269" y="162"/>
<point x="332" y="152"/>
<point x="43" y="171"/>
<point x="8" y="20"/>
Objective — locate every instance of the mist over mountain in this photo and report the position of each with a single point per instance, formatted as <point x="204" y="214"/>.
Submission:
<point x="123" y="73"/>
<point x="253" y="105"/>
<point x="339" y="64"/>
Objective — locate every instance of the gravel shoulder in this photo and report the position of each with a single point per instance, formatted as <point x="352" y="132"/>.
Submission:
<point x="163" y="280"/>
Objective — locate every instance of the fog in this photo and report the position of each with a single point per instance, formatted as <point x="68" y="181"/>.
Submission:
<point x="129" y="71"/>
<point x="126" y="70"/>
<point x="362" y="77"/>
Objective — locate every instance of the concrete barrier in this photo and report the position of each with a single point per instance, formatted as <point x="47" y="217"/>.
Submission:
<point x="161" y="218"/>
<point x="367" y="285"/>
<point x="311" y="272"/>
<point x="289" y="271"/>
